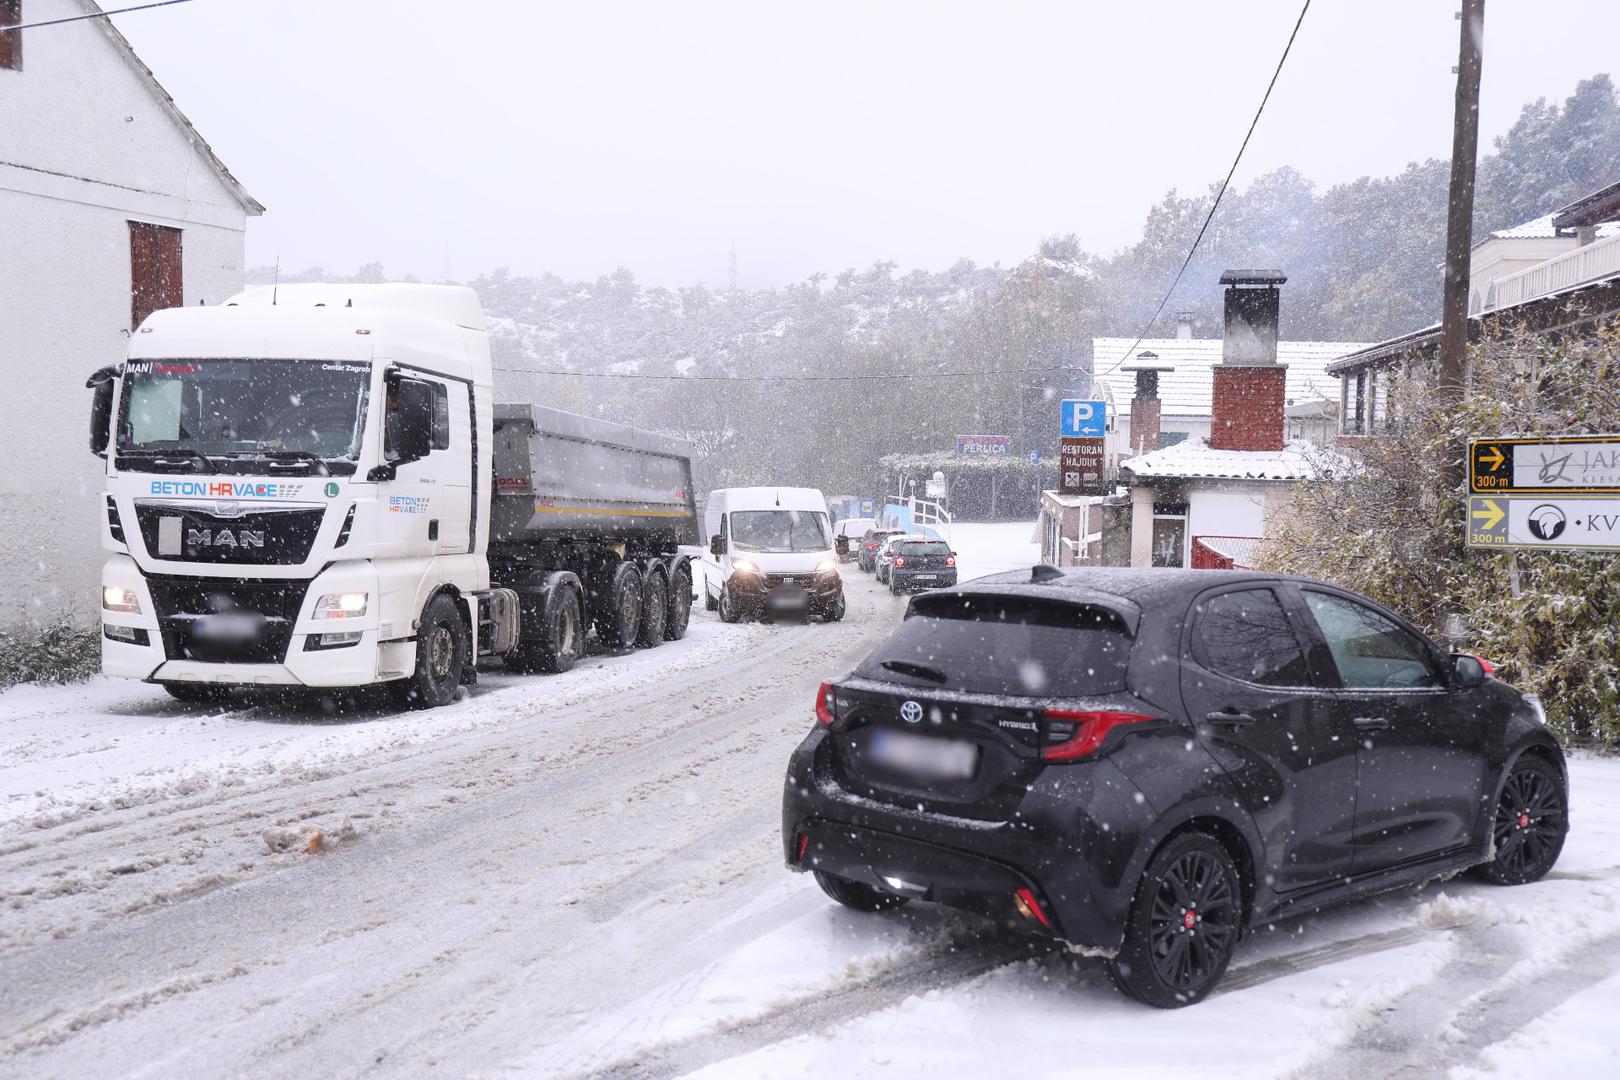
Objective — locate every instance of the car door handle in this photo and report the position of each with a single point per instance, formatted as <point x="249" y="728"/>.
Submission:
<point x="1371" y="723"/>
<point x="1235" y="720"/>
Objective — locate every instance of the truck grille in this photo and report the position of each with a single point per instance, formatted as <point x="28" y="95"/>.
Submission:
<point x="266" y="537"/>
<point x="185" y="607"/>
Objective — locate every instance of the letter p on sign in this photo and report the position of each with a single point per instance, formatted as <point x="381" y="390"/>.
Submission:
<point x="1084" y="419"/>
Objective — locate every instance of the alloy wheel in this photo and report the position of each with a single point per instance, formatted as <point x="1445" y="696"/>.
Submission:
<point x="1529" y="823"/>
<point x="1193" y="921"/>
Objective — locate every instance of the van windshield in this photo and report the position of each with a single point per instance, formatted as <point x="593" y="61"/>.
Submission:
<point x="780" y="530"/>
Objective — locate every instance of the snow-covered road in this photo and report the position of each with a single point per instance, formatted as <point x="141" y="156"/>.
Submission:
<point x="580" y="875"/>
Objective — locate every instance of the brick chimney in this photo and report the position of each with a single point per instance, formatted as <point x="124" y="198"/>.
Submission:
<point x="1250" y="386"/>
<point x="1146" y="421"/>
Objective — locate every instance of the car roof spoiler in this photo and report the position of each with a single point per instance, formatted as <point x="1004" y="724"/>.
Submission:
<point x="1078" y="596"/>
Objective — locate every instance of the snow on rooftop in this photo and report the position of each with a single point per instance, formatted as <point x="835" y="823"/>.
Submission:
<point x="1193" y="458"/>
<point x="1541" y="228"/>
<point x="1187" y="391"/>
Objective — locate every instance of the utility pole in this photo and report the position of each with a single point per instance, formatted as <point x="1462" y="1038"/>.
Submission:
<point x="1460" y="212"/>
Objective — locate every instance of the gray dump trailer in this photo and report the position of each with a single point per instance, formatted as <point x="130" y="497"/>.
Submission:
<point x="587" y="519"/>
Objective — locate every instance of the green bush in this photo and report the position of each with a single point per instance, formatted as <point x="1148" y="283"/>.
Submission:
<point x="1393" y="528"/>
<point x="56" y="654"/>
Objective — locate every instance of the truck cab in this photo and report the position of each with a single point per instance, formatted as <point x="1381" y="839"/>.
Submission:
<point x="298" y="494"/>
<point x="771" y="553"/>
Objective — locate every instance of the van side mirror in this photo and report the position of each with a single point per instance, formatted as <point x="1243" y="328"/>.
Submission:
<point x="717" y="545"/>
<point x="1469" y="671"/>
<point x="102" y="382"/>
<point x="407" y="424"/>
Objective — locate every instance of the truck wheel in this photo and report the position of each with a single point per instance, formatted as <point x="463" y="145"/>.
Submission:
<point x="680" y="604"/>
<point x="441" y="656"/>
<point x="730" y="608"/>
<point x="619" y="617"/>
<point x="654" y="610"/>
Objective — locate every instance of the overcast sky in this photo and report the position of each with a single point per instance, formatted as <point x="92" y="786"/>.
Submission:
<point x="583" y="136"/>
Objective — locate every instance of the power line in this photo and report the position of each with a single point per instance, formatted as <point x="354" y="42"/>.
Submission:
<point x="1218" y="195"/>
<point x="93" y="15"/>
<point x="873" y="376"/>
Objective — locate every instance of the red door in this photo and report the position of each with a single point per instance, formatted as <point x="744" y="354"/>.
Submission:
<point x="154" y="270"/>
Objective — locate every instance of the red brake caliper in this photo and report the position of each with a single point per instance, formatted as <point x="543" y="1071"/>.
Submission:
<point x="1524" y="820"/>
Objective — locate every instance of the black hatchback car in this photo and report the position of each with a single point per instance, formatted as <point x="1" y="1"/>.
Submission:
<point x="921" y="564"/>
<point x="1147" y="762"/>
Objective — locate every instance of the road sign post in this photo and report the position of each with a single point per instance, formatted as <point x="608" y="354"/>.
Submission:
<point x="1556" y="493"/>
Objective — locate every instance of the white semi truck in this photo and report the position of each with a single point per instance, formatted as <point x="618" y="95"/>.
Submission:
<point x="313" y="486"/>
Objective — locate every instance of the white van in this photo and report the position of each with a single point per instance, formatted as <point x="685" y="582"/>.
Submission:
<point x="771" y="553"/>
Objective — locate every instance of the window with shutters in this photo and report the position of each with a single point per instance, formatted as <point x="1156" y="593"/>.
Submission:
<point x="154" y="270"/>
<point x="11" y="40"/>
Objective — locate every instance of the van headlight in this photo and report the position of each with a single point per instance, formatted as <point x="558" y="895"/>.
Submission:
<point x="743" y="566"/>
<point x="827" y="566"/>
<point x="341" y="605"/>
<point x="118" y="598"/>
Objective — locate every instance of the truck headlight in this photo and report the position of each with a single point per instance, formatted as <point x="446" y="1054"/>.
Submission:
<point x="118" y="598"/>
<point x="341" y="605"/>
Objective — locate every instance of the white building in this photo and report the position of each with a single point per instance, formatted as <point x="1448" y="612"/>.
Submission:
<point x="111" y="205"/>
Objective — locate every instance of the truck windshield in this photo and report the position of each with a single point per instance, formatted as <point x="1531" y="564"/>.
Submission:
<point x="238" y="416"/>
<point x="780" y="530"/>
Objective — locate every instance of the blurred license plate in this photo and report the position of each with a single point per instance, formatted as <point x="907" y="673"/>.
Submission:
<point x="924" y="756"/>
<point x="923" y="577"/>
<point x="230" y="627"/>
<point x="787" y="596"/>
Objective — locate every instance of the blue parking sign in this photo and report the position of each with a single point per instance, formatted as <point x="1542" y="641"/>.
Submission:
<point x="1084" y="419"/>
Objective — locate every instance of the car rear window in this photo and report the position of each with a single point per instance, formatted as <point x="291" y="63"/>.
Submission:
<point x="1014" y="645"/>
<point x="925" y="547"/>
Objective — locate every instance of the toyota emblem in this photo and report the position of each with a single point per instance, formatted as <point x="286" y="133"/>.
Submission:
<point x="911" y="712"/>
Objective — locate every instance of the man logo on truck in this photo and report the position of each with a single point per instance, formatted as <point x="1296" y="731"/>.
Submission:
<point x="223" y="538"/>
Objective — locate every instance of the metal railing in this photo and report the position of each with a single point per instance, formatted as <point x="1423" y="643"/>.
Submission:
<point x="1561" y="272"/>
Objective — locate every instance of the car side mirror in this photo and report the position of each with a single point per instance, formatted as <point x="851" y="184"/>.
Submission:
<point x="1468" y="670"/>
<point x="102" y="382"/>
<point x="717" y="545"/>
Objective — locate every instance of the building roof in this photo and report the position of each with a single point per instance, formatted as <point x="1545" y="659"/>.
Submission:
<point x="1544" y="228"/>
<point x="251" y="206"/>
<point x="1601" y="206"/>
<point x="1194" y="459"/>
<point x="1189" y="389"/>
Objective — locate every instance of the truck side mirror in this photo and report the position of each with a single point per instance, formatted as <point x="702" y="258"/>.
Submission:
<point x="102" y="382"/>
<point x="717" y="545"/>
<point x="407" y="424"/>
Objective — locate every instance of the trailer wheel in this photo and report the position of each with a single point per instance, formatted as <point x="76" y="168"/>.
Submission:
<point x="680" y="604"/>
<point x="618" y="618"/>
<point x="557" y="639"/>
<point x="654" y="609"/>
<point x="441" y="656"/>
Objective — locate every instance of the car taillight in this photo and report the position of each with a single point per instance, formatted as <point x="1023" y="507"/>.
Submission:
<point x="824" y="702"/>
<point x="899" y="560"/>
<point x="950" y="560"/>
<point x="1071" y="735"/>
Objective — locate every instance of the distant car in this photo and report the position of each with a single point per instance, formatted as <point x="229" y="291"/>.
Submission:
<point x="1149" y="762"/>
<point x="847" y="534"/>
<point x="871" y="544"/>
<point x="885" y="554"/>
<point x="921" y="564"/>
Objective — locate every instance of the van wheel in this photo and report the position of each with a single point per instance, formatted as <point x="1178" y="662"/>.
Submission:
<point x="619" y="617"/>
<point x="1183" y="925"/>
<point x="853" y="894"/>
<point x="835" y="610"/>
<point x="654" y="610"/>
<point x="730" y="608"/>
<point x="679" y="615"/>
<point x="441" y="656"/>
